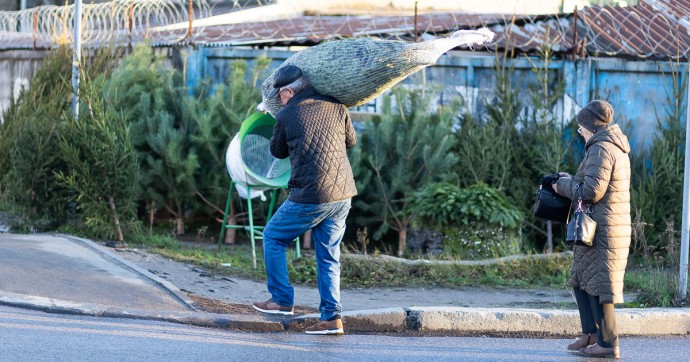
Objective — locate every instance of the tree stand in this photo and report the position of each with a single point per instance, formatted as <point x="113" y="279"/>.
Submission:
<point x="255" y="231"/>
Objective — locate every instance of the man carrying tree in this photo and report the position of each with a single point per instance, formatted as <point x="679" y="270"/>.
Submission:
<point x="314" y="131"/>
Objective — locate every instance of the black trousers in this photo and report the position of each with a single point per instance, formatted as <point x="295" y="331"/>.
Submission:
<point x="597" y="318"/>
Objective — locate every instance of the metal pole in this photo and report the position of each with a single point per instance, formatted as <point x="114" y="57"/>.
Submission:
<point x="416" y="30"/>
<point x="683" y="270"/>
<point x="76" y="58"/>
<point x="23" y="19"/>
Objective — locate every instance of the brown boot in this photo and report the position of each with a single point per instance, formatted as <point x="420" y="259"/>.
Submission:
<point x="583" y="342"/>
<point x="597" y="351"/>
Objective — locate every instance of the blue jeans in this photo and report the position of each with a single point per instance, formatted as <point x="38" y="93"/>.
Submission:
<point x="327" y="222"/>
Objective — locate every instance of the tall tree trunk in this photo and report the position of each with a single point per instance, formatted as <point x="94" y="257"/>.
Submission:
<point x="116" y="219"/>
<point x="402" y="240"/>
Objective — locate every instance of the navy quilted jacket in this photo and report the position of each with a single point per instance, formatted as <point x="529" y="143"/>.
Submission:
<point x="314" y="131"/>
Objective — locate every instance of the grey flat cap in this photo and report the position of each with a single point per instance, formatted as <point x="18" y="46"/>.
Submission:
<point x="284" y="76"/>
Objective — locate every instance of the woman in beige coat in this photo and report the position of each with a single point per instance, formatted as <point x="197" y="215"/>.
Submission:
<point x="597" y="271"/>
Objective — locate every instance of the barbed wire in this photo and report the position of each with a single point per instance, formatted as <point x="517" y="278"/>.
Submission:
<point x="643" y="31"/>
<point x="101" y="23"/>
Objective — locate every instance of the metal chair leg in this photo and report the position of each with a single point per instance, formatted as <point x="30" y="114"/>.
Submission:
<point x="251" y="224"/>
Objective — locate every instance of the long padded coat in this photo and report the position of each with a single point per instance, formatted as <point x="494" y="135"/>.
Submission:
<point x="604" y="175"/>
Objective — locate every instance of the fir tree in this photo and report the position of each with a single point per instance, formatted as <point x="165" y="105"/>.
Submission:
<point x="103" y="166"/>
<point x="155" y="103"/>
<point x="545" y="141"/>
<point x="218" y="118"/>
<point x="29" y="141"/>
<point x="169" y="167"/>
<point x="398" y="154"/>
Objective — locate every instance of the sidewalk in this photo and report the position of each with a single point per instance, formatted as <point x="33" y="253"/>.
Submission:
<point x="64" y="274"/>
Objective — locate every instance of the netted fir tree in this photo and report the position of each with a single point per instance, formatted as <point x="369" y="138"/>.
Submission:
<point x="399" y="152"/>
<point x="102" y="165"/>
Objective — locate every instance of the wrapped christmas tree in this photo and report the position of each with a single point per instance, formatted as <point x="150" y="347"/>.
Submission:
<point x="357" y="70"/>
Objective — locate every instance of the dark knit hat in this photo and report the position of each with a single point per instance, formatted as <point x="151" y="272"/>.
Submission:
<point x="595" y="115"/>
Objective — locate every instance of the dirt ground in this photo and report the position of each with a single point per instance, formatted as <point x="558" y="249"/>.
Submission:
<point x="229" y="294"/>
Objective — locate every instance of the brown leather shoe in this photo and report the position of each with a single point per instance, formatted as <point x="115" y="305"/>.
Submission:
<point x="583" y="342"/>
<point x="326" y="327"/>
<point x="597" y="351"/>
<point x="272" y="307"/>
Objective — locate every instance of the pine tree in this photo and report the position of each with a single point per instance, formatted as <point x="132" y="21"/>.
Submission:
<point x="102" y="163"/>
<point x="398" y="154"/>
<point x="545" y="140"/>
<point x="169" y="167"/>
<point x="29" y="141"/>
<point x="218" y="118"/>
<point x="156" y="104"/>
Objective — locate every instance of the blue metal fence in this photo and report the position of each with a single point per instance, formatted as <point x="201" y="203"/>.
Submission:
<point x="638" y="90"/>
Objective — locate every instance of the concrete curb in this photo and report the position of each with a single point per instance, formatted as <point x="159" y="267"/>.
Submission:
<point x="175" y="292"/>
<point x="50" y="305"/>
<point x="388" y="320"/>
<point x="250" y="323"/>
<point x="556" y="323"/>
<point x="415" y="320"/>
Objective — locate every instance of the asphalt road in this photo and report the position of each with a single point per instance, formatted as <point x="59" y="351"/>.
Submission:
<point x="36" y="336"/>
<point x="58" y="268"/>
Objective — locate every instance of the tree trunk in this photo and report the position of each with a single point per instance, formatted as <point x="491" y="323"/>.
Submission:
<point x="402" y="240"/>
<point x="116" y="219"/>
<point x="306" y="242"/>
<point x="549" y="237"/>
<point x="152" y="215"/>
<point x="230" y="233"/>
<point x="179" y="221"/>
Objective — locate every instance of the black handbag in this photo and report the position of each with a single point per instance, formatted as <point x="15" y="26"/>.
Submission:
<point x="549" y="205"/>
<point x="581" y="227"/>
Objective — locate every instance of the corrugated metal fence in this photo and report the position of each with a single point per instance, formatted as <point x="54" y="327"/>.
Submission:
<point x="638" y="90"/>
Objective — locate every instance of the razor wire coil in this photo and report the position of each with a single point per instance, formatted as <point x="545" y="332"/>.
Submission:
<point x="641" y="31"/>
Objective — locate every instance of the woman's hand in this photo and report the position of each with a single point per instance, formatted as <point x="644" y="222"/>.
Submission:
<point x="555" y="183"/>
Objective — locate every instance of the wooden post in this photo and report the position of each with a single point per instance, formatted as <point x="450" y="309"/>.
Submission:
<point x="191" y="21"/>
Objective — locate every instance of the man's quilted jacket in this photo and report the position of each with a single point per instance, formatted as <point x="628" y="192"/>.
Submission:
<point x="314" y="131"/>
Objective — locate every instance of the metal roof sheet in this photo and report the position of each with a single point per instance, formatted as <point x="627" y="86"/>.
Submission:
<point x="652" y="29"/>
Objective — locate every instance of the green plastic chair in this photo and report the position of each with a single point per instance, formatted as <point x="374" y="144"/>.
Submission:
<point x="262" y="171"/>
